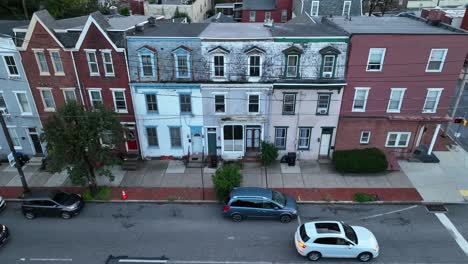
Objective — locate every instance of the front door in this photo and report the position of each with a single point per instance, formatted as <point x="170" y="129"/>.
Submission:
<point x="35" y="140"/>
<point x="197" y="143"/>
<point x="325" y="142"/>
<point x="130" y="138"/>
<point x="211" y="141"/>
<point x="252" y="139"/>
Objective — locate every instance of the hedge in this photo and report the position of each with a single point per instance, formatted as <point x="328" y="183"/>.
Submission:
<point x="225" y="179"/>
<point x="360" y="160"/>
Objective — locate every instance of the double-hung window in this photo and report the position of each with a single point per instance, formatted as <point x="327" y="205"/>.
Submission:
<point x="69" y="94"/>
<point x="23" y="103"/>
<point x="360" y="99"/>
<point x="42" y="62"/>
<point x="398" y="139"/>
<point x="323" y="103"/>
<point x="146" y="65"/>
<point x="254" y="66"/>
<point x="220" y="104"/>
<point x="436" y="60"/>
<point x="182" y="66"/>
<point x="95" y="96"/>
<point x="185" y="103"/>
<point x="280" y="137"/>
<point x="119" y="100"/>
<point x="304" y="137"/>
<point x="3" y="106"/>
<point x="11" y="66"/>
<point x="252" y="16"/>
<point x="152" y="136"/>
<point x="365" y="137"/>
<point x="57" y="62"/>
<point x="218" y="61"/>
<point x="47" y="99"/>
<point x="328" y="66"/>
<point x="151" y="103"/>
<point x="375" y="59"/>
<point x="107" y="61"/>
<point x="254" y="103"/>
<point x="314" y="9"/>
<point x="291" y="67"/>
<point x="176" y="140"/>
<point x="396" y="99"/>
<point x="346" y="8"/>
<point x="289" y="103"/>
<point x="92" y="63"/>
<point x="432" y="100"/>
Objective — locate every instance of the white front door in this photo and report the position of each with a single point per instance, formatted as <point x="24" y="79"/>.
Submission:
<point x="197" y="144"/>
<point x="324" y="144"/>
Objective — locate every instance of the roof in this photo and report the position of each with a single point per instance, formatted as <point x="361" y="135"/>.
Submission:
<point x="301" y="19"/>
<point x="224" y="5"/>
<point x="125" y="22"/>
<point x="40" y="194"/>
<point x="6" y="26"/>
<point x="173" y="30"/>
<point x="220" y="18"/>
<point x="251" y="191"/>
<point x="258" y="4"/>
<point x="307" y="30"/>
<point x="391" y="25"/>
<point x="236" y="31"/>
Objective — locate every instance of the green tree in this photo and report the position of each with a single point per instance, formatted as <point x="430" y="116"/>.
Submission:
<point x="178" y="14"/>
<point x="269" y="153"/>
<point x="82" y="142"/>
<point x="70" y="8"/>
<point x="124" y="11"/>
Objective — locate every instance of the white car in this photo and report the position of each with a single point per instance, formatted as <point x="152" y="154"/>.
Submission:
<point x="332" y="239"/>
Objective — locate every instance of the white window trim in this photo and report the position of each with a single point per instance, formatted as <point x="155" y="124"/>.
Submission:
<point x="56" y="73"/>
<point x="365" y="100"/>
<point x="176" y="60"/>
<point x="254" y="78"/>
<point x="107" y="51"/>
<point x="68" y="89"/>
<point x="400" y="102"/>
<point x="91" y="73"/>
<point x="213" y="67"/>
<point x="294" y="104"/>
<point x="440" y="90"/>
<point x="91" y="98"/>
<point x="225" y="103"/>
<point x="299" y="147"/>
<point x="19" y="104"/>
<point x="349" y="10"/>
<point x="312" y="8"/>
<point x="153" y="65"/>
<point x="441" y="64"/>
<point x="47" y="109"/>
<point x="381" y="60"/>
<point x="42" y="73"/>
<point x="398" y="139"/>
<point x="332" y="68"/>
<point x="254" y="15"/>
<point x="368" y="138"/>
<point x="6" y="104"/>
<point x="287" y="65"/>
<point x="6" y="66"/>
<point x="259" y="103"/>
<point x="16" y="133"/>
<point x="121" y="111"/>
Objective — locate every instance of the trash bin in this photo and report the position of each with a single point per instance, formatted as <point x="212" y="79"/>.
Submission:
<point x="291" y="158"/>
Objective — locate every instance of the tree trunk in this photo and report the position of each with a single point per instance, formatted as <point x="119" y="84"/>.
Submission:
<point x="25" y="9"/>
<point x="91" y="177"/>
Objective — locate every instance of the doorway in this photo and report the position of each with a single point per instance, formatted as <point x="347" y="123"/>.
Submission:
<point x="36" y="141"/>
<point x="252" y="139"/>
<point x="130" y="138"/>
<point x="325" y="142"/>
<point x="212" y="141"/>
<point x="197" y="141"/>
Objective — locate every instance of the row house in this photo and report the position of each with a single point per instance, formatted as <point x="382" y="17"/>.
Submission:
<point x="401" y="78"/>
<point x="16" y="101"/>
<point x="320" y="8"/>
<point x="81" y="59"/>
<point x="278" y="11"/>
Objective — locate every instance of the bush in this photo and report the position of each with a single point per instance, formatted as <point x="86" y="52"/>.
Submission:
<point x="225" y="179"/>
<point x="360" y="160"/>
<point x="102" y="194"/>
<point x="364" y="197"/>
<point x="269" y="153"/>
<point x="124" y="11"/>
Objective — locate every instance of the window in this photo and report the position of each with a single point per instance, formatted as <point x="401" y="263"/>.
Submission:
<point x="365" y="137"/>
<point x="323" y="103"/>
<point x="267" y="16"/>
<point x="436" y="60"/>
<point x="220" y="105"/>
<point x="280" y="137"/>
<point x="328" y="66"/>
<point x="106" y="138"/>
<point x="289" y="103"/>
<point x="375" y="59"/>
<point x="11" y="66"/>
<point x="218" y="65"/>
<point x="47" y="99"/>
<point x="96" y="98"/>
<point x="233" y="138"/>
<point x="23" y="103"/>
<point x="252" y="16"/>
<point x="42" y="63"/>
<point x="92" y="63"/>
<point x="432" y="100"/>
<point x="69" y="95"/>
<point x="314" y="10"/>
<point x="398" y="139"/>
<point x="151" y="103"/>
<point x="3" y="106"/>
<point x="119" y="100"/>
<point x="304" y="137"/>
<point x="254" y="103"/>
<point x="360" y="99"/>
<point x="291" y="68"/>
<point x="395" y="101"/>
<point x="152" y="136"/>
<point x="147" y="65"/>
<point x="108" y="65"/>
<point x="14" y="138"/>
<point x="346" y="8"/>
<point x="57" y="62"/>
<point x="182" y="66"/>
<point x="174" y="133"/>
<point x="185" y="103"/>
<point x="254" y="66"/>
<point x="284" y="15"/>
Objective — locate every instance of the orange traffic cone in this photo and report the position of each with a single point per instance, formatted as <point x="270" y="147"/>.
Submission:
<point x="124" y="195"/>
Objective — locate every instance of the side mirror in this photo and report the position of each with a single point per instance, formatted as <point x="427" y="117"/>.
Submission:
<point x="350" y="246"/>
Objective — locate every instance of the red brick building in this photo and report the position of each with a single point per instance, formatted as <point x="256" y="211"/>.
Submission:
<point x="262" y="10"/>
<point x="401" y="78"/>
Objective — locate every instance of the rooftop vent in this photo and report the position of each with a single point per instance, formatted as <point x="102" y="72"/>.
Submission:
<point x="139" y="27"/>
<point x="113" y="10"/>
<point x="151" y="21"/>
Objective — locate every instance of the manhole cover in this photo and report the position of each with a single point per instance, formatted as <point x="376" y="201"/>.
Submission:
<point x="436" y="208"/>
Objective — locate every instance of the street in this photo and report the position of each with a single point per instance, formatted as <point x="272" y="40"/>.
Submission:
<point x="197" y="233"/>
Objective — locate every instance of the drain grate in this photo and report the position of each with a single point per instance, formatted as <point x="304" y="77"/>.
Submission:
<point x="436" y="208"/>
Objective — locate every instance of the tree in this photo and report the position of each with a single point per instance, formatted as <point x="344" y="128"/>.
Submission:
<point x="124" y="11"/>
<point x="178" y="14"/>
<point x="268" y="153"/>
<point x="74" y="138"/>
<point x="383" y="5"/>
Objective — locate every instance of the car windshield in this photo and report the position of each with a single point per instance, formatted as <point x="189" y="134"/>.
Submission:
<point x="62" y="198"/>
<point x="279" y="198"/>
<point x="350" y="234"/>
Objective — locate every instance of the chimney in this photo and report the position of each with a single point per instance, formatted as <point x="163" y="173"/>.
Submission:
<point x="435" y="16"/>
<point x="113" y="10"/>
<point x="139" y="27"/>
<point x="464" y="23"/>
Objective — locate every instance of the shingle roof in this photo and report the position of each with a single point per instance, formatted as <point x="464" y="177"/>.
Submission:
<point x="125" y="22"/>
<point x="173" y="30"/>
<point x="6" y="26"/>
<point x="236" y="30"/>
<point x="258" y="4"/>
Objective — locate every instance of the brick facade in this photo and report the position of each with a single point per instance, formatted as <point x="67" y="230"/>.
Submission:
<point x="275" y="14"/>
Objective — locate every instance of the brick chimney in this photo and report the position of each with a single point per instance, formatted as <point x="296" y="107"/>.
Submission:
<point x="464" y="24"/>
<point x="137" y="7"/>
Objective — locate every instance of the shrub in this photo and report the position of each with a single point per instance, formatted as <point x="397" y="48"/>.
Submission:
<point x="364" y="197"/>
<point x="102" y="194"/>
<point x="360" y="160"/>
<point x="269" y="153"/>
<point x="124" y="11"/>
<point x="225" y="179"/>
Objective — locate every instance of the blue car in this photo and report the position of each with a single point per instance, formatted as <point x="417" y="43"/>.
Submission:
<point x="256" y="202"/>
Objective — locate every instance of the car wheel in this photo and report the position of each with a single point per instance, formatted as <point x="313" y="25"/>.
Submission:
<point x="285" y="218"/>
<point x="314" y="256"/>
<point x="236" y="217"/>
<point x="29" y="215"/>
<point x="365" y="257"/>
<point x="66" y="215"/>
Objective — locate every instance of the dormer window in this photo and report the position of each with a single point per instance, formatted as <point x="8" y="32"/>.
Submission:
<point x="182" y="62"/>
<point x="293" y="56"/>
<point x="255" y="59"/>
<point x="329" y="58"/>
<point x="219" y="61"/>
<point x="146" y="57"/>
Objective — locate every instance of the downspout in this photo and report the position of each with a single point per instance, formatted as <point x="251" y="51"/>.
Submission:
<point x="296" y="138"/>
<point x="78" y="80"/>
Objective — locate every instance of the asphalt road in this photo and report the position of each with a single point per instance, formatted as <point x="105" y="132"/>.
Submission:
<point x="197" y="234"/>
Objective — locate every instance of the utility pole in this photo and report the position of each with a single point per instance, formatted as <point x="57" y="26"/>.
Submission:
<point x="13" y="151"/>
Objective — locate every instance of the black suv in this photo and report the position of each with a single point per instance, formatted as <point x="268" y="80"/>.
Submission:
<point x="51" y="202"/>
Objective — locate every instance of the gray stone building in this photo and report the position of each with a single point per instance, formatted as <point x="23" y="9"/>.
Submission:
<point x="327" y="7"/>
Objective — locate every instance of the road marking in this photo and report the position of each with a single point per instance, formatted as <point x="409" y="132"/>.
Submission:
<point x="387" y="213"/>
<point x="453" y="231"/>
<point x="50" y="259"/>
<point x="142" y="261"/>
<point x="230" y="238"/>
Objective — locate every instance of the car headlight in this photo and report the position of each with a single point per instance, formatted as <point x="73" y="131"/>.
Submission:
<point x="3" y="228"/>
<point x="294" y="212"/>
<point x="72" y="207"/>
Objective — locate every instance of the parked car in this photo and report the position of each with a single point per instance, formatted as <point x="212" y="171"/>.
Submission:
<point x="2" y="204"/>
<point x="331" y="239"/>
<point x="260" y="203"/>
<point x="52" y="203"/>
<point x="4" y="234"/>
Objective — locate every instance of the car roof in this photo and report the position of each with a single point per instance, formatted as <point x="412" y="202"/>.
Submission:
<point x="40" y="194"/>
<point x="251" y="192"/>
<point x="312" y="231"/>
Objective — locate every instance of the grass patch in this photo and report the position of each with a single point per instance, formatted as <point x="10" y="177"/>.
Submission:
<point x="102" y="194"/>
<point x="370" y="160"/>
<point x="365" y="197"/>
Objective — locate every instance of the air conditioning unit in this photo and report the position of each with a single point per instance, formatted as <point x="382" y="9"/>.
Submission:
<point x="322" y="111"/>
<point x="327" y="75"/>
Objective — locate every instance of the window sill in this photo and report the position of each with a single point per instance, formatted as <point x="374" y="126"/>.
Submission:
<point x="254" y="79"/>
<point x="153" y="147"/>
<point x="26" y="114"/>
<point x="367" y="70"/>
<point x="14" y="77"/>
<point x="223" y="113"/>
<point x="393" y="111"/>
<point x="44" y="74"/>
<point x="121" y="112"/>
<point x="95" y="75"/>
<point x="59" y="74"/>
<point x="396" y="146"/>
<point x="109" y="75"/>
<point x="362" y="143"/>
<point x="152" y="112"/>
<point x="49" y="110"/>
<point x="308" y="148"/>
<point x="218" y="79"/>
<point x="18" y="148"/>
<point x="176" y="147"/>
<point x="433" y="71"/>
<point x="429" y="112"/>
<point x="253" y="113"/>
<point x="358" y="110"/>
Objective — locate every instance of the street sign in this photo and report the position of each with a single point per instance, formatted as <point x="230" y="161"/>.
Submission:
<point x="11" y="160"/>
